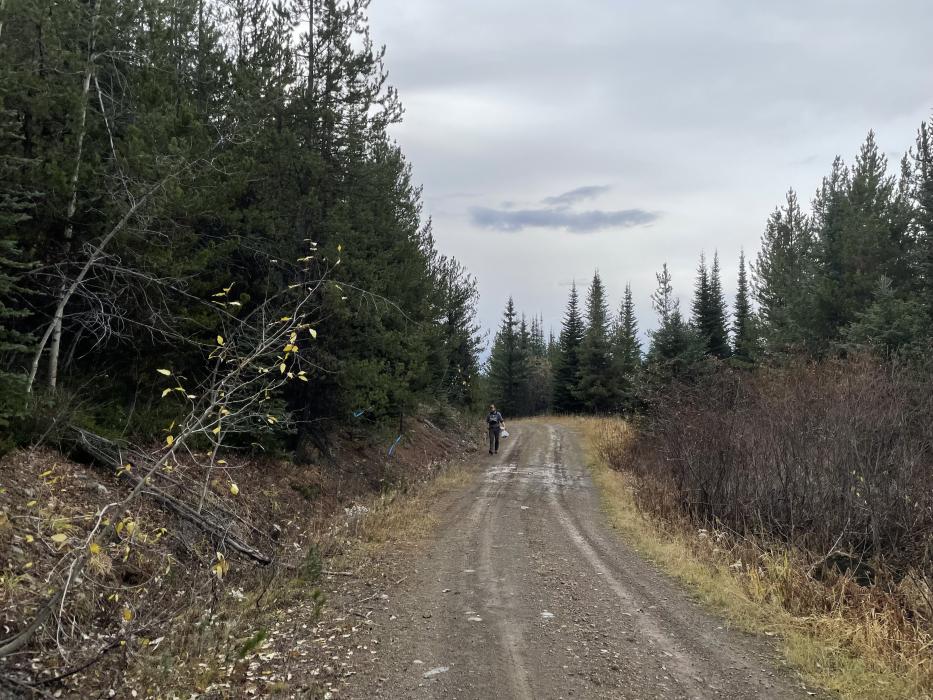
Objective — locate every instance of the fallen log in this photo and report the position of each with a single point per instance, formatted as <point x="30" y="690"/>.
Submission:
<point x="210" y="521"/>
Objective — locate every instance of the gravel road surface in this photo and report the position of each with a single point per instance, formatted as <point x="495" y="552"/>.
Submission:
<point x="524" y="591"/>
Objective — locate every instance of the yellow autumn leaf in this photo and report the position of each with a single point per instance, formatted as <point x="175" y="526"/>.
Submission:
<point x="130" y="528"/>
<point x="220" y="340"/>
<point x="221" y="567"/>
<point x="30" y="538"/>
<point x="166" y="372"/>
<point x="59" y="538"/>
<point x="282" y="368"/>
<point x="170" y="440"/>
<point x="234" y="489"/>
<point x="127" y="614"/>
<point x="216" y="430"/>
<point x="31" y="504"/>
<point x="339" y="247"/>
<point x="312" y="332"/>
<point x="166" y="392"/>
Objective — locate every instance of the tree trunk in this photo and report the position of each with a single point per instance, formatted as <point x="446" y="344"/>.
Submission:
<point x="55" y="348"/>
<point x="69" y="290"/>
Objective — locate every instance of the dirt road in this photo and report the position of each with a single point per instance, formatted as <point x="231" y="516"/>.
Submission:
<point x="525" y="592"/>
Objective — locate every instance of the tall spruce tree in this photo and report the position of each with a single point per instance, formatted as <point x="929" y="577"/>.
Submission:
<point x="508" y="364"/>
<point x="923" y="196"/>
<point x="626" y="354"/>
<point x="596" y="388"/>
<point x="567" y="369"/>
<point x="14" y="205"/>
<point x="783" y="274"/>
<point x="709" y="309"/>
<point x="458" y="364"/>
<point x="858" y="242"/>
<point x="676" y="347"/>
<point x="744" y="341"/>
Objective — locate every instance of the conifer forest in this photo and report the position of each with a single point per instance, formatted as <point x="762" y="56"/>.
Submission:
<point x="240" y="377"/>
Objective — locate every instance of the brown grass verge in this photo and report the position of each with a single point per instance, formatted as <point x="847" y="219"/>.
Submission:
<point x="848" y="639"/>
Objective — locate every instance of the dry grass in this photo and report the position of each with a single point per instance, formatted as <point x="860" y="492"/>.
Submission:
<point x="405" y="517"/>
<point x="856" y="641"/>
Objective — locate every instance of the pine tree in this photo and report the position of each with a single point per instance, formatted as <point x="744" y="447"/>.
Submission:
<point x="857" y="243"/>
<point x="700" y="306"/>
<point x="626" y="353"/>
<point x="891" y="325"/>
<point x="709" y="312"/>
<point x="596" y="388"/>
<point x="458" y="363"/>
<point x="717" y="336"/>
<point x="508" y="365"/>
<point x="783" y="272"/>
<point x="923" y="195"/>
<point x="14" y="204"/>
<point x="676" y="347"/>
<point x="567" y="369"/>
<point x="744" y="342"/>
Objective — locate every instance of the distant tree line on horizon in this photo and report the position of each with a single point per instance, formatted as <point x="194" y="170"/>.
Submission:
<point x="854" y="274"/>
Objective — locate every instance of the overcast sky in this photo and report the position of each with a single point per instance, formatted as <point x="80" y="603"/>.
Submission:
<point x="553" y="137"/>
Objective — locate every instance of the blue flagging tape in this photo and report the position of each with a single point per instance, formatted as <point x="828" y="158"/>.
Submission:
<point x="394" y="445"/>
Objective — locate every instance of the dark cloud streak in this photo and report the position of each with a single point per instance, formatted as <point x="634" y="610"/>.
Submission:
<point x="511" y="220"/>
<point x="577" y="195"/>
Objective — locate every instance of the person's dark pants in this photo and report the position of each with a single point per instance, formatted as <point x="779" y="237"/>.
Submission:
<point x="494" y="439"/>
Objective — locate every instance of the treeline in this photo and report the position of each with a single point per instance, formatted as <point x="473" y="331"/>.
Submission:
<point x="854" y="274"/>
<point x="170" y="169"/>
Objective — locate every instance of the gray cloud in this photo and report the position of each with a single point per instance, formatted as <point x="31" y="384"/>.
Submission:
<point x="559" y="218"/>
<point x="577" y="195"/>
<point x="707" y="110"/>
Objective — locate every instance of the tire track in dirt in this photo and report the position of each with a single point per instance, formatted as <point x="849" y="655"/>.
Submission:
<point x="525" y="592"/>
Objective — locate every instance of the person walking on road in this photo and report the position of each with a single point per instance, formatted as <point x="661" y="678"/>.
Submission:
<point x="495" y="424"/>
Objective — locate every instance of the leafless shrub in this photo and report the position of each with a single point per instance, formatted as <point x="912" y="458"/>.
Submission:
<point x="835" y="459"/>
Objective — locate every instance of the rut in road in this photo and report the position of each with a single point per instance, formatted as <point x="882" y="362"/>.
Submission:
<point x="525" y="592"/>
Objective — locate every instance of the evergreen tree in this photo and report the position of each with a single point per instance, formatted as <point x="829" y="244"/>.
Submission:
<point x="508" y="365"/>
<point x="782" y="273"/>
<point x="744" y="341"/>
<point x="461" y="340"/>
<point x="859" y="241"/>
<point x="715" y="331"/>
<point x="14" y="205"/>
<point x="676" y="347"/>
<point x="701" y="298"/>
<point x="567" y="369"/>
<point x="596" y="389"/>
<point x="709" y="309"/>
<point x="626" y="353"/>
<point x="923" y="195"/>
<point x="891" y="325"/>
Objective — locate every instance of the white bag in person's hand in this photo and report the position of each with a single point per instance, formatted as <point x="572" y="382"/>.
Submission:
<point x="504" y="433"/>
